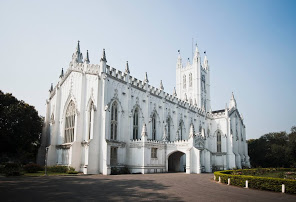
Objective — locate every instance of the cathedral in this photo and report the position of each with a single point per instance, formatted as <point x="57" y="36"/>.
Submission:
<point x="99" y="118"/>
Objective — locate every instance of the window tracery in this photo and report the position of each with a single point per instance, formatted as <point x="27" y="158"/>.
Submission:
<point x="70" y="123"/>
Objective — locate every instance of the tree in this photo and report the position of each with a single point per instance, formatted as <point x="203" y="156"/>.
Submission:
<point x="274" y="150"/>
<point x="20" y="129"/>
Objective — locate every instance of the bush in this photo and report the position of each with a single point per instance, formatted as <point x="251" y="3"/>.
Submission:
<point x="263" y="183"/>
<point x="12" y="169"/>
<point x="32" y="168"/>
<point x="119" y="170"/>
<point x="71" y="170"/>
<point x="58" y="169"/>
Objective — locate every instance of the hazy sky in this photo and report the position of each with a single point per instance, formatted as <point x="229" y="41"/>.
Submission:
<point x="250" y="46"/>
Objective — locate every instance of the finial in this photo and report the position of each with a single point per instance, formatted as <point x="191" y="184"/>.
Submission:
<point x="161" y="85"/>
<point x="87" y="58"/>
<point x="127" y="68"/>
<point x="174" y="92"/>
<point x="104" y="56"/>
<point x="78" y="47"/>
<point x="191" y="131"/>
<point x="146" y="78"/>
<point x="62" y="73"/>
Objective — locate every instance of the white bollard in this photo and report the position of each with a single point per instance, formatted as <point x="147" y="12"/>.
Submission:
<point x="247" y="184"/>
<point x="283" y="188"/>
<point x="228" y="181"/>
<point x="219" y="179"/>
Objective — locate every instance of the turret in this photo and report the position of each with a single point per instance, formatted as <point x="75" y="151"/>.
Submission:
<point x="161" y="85"/>
<point x="77" y="56"/>
<point x="179" y="60"/>
<point x="127" y="71"/>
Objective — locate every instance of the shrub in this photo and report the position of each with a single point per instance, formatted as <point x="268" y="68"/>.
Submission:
<point x="32" y="168"/>
<point x="58" y="169"/>
<point x="119" y="170"/>
<point x="71" y="170"/>
<point x="12" y="169"/>
<point x="263" y="183"/>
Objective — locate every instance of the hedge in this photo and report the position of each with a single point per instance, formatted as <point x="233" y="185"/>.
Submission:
<point x="263" y="183"/>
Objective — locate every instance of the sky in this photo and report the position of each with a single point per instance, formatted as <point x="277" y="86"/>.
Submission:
<point x="250" y="46"/>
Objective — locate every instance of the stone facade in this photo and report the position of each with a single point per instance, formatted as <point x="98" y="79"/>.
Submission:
<point x="99" y="118"/>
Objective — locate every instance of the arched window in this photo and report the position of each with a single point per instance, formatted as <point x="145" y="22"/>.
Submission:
<point x="90" y="117"/>
<point x="203" y="83"/>
<point x="70" y="123"/>
<point x="184" y="81"/>
<point x="114" y="121"/>
<point x="136" y="124"/>
<point x="218" y="141"/>
<point x="181" y="130"/>
<point x="190" y="80"/>
<point x="169" y="128"/>
<point x="154" y="127"/>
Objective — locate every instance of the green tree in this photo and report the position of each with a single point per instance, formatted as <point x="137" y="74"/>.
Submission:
<point x="20" y="129"/>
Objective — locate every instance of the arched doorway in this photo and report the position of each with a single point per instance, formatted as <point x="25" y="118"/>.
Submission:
<point x="177" y="162"/>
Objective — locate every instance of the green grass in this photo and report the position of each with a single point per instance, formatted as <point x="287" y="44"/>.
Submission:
<point x="277" y="175"/>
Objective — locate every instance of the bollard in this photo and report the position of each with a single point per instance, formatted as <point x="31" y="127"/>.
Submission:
<point x="283" y="188"/>
<point x="228" y="181"/>
<point x="214" y="177"/>
<point x="247" y="184"/>
<point x="219" y="179"/>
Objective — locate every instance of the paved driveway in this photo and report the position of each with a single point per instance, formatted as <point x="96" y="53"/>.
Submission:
<point x="150" y="187"/>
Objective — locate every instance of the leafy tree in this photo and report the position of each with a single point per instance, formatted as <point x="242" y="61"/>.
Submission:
<point x="274" y="150"/>
<point x="20" y="129"/>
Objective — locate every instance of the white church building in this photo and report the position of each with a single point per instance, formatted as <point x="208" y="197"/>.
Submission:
<point x="99" y="118"/>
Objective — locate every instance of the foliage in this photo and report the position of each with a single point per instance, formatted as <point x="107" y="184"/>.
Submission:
<point x="120" y="170"/>
<point x="71" y="170"/>
<point x="33" y="168"/>
<point x="20" y="130"/>
<point x="12" y="169"/>
<point x="58" y="169"/>
<point x="239" y="177"/>
<point x="273" y="150"/>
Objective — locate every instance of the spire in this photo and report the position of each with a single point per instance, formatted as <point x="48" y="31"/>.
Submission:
<point x="174" y="92"/>
<point x="179" y="61"/>
<point x="196" y="52"/>
<point x="206" y="66"/>
<point x="78" y="47"/>
<point x="146" y="78"/>
<point x="232" y="102"/>
<point x="161" y="85"/>
<point x="51" y="87"/>
<point x="77" y="56"/>
<point x="104" y="56"/>
<point x="144" y="131"/>
<point x="87" y="58"/>
<point x="127" y="68"/>
<point x="62" y="73"/>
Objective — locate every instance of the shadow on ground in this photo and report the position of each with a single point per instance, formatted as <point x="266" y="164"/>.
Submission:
<point x="78" y="188"/>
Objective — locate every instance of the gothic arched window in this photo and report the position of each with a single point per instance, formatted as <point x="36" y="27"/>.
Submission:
<point x="190" y="80"/>
<point x="70" y="123"/>
<point x="90" y="117"/>
<point x="169" y="128"/>
<point x="184" y="81"/>
<point x="218" y="141"/>
<point x="136" y="124"/>
<point x="181" y="130"/>
<point x="154" y="126"/>
<point x="114" y="121"/>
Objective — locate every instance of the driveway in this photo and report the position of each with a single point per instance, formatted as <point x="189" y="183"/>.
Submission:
<point x="136" y="187"/>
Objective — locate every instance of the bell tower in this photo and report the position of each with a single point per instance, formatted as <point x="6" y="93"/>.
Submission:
<point x="193" y="81"/>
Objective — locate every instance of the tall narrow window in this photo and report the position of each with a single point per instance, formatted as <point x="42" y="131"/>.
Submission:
<point x="90" y="119"/>
<point x="203" y="83"/>
<point x="184" y="81"/>
<point x="190" y="80"/>
<point x="218" y="141"/>
<point x="70" y="123"/>
<point x="113" y="156"/>
<point x="136" y="124"/>
<point x="169" y="128"/>
<point x="114" y="121"/>
<point x="154" y="127"/>
<point x="153" y="152"/>
<point x="181" y="130"/>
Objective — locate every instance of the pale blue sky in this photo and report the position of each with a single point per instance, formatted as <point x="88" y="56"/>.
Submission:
<point x="250" y="47"/>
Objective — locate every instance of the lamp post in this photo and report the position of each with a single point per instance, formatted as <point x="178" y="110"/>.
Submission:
<point x="46" y="152"/>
